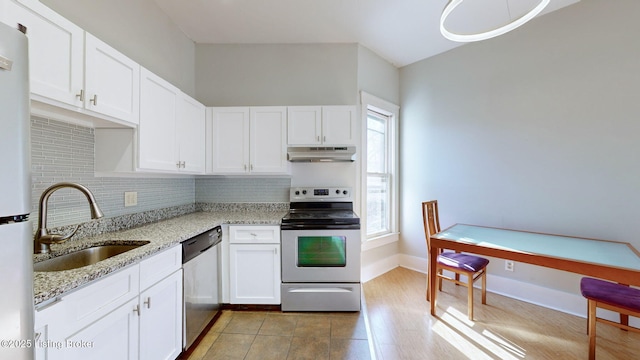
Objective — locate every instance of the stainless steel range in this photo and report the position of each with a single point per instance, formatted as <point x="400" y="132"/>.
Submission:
<point x="321" y="251"/>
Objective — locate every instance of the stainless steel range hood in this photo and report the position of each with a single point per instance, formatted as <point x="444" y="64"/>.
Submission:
<point x="321" y="153"/>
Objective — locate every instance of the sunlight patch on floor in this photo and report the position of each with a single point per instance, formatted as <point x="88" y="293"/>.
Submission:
<point x="473" y="340"/>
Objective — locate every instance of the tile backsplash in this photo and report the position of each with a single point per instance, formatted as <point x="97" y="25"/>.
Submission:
<point x="65" y="152"/>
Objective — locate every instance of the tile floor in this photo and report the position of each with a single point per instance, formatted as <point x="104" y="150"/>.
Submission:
<point x="276" y="335"/>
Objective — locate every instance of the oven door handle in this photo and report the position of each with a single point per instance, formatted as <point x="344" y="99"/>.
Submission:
<point x="321" y="290"/>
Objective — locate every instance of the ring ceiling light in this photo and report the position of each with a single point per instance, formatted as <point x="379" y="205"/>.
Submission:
<point x="452" y="4"/>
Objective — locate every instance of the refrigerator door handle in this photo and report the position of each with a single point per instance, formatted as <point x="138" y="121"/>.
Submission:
<point x="5" y="64"/>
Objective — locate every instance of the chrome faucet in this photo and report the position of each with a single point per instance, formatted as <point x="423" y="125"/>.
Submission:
<point x="42" y="238"/>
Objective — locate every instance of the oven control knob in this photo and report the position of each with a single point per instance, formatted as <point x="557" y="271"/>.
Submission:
<point x="345" y="192"/>
<point x="304" y="192"/>
<point x="338" y="191"/>
<point x="297" y="192"/>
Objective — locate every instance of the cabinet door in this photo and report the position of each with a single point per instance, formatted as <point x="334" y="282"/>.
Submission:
<point x="46" y="320"/>
<point x="56" y="48"/>
<point x="268" y="140"/>
<point x="115" y="336"/>
<point x="254" y="273"/>
<point x="304" y="125"/>
<point x="190" y="130"/>
<point x="161" y="319"/>
<point x="112" y="81"/>
<point x="156" y="134"/>
<point x="338" y="125"/>
<point x="230" y="140"/>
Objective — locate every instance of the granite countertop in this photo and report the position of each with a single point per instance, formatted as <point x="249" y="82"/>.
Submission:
<point x="161" y="235"/>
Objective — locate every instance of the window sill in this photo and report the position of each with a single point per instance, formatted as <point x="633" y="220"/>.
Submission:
<point x="379" y="241"/>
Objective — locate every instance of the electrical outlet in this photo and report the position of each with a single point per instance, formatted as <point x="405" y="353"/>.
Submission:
<point x="509" y="265"/>
<point x="130" y="198"/>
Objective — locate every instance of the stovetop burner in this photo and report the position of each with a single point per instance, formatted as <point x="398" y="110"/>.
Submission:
<point x="321" y="208"/>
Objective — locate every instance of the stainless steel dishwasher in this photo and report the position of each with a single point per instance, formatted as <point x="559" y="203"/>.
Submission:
<point x="201" y="271"/>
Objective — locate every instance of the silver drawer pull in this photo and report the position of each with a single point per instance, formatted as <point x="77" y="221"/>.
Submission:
<point x="94" y="100"/>
<point x="81" y="95"/>
<point x="148" y="302"/>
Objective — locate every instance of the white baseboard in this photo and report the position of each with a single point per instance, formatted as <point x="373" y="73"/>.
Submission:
<point x="380" y="267"/>
<point x="549" y="298"/>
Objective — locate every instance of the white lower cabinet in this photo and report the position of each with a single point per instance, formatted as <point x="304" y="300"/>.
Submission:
<point x="161" y="319"/>
<point x="115" y="318"/>
<point x="254" y="259"/>
<point x="111" y="337"/>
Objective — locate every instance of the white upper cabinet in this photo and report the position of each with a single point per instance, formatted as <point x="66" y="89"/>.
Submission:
<point x="268" y="140"/>
<point x="338" y="125"/>
<point x="229" y="140"/>
<point x="169" y="139"/>
<point x="157" y="131"/>
<point x="112" y="81"/>
<point x="71" y="70"/>
<point x="190" y="133"/>
<point x="304" y="125"/>
<point x="56" y="51"/>
<point x="315" y="125"/>
<point x="248" y="140"/>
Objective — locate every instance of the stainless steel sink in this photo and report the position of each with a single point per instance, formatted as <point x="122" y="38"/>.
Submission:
<point x="84" y="257"/>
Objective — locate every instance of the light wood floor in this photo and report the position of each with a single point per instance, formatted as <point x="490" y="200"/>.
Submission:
<point x="402" y="327"/>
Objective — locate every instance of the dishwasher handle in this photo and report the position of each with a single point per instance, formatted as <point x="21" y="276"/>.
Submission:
<point x="197" y="245"/>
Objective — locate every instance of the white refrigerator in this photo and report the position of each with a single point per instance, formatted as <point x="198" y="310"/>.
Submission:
<point x="16" y="234"/>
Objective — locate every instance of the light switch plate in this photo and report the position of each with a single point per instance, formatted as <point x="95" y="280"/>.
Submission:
<point x="130" y="198"/>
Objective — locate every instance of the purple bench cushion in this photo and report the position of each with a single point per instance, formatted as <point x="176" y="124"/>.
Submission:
<point x="611" y="293"/>
<point x="461" y="261"/>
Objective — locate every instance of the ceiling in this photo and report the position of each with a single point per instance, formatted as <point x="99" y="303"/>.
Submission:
<point x="400" y="31"/>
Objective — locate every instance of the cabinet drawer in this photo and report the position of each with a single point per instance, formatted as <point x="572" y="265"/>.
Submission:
<point x="160" y="266"/>
<point x="254" y="234"/>
<point x="98" y="299"/>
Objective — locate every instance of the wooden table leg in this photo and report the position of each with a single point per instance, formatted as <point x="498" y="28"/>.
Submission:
<point x="624" y="319"/>
<point x="433" y="278"/>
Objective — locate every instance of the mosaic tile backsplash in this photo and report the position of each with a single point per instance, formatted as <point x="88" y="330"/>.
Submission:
<point x="65" y="152"/>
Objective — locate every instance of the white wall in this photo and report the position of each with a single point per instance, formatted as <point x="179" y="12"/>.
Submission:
<point x="534" y="130"/>
<point x="276" y="74"/>
<point x="377" y="76"/>
<point x="140" y="30"/>
<point x="380" y="78"/>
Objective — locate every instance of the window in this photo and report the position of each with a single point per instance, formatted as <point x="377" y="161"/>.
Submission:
<point x="378" y="176"/>
<point x="380" y="168"/>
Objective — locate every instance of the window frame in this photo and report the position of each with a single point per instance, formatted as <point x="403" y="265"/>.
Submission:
<point x="387" y="109"/>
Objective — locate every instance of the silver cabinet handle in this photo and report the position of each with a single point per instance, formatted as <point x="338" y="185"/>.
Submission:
<point x="148" y="302"/>
<point x="184" y="164"/>
<point x="178" y="164"/>
<point x="251" y="167"/>
<point x="318" y="138"/>
<point x="94" y="100"/>
<point x="136" y="309"/>
<point x="324" y="138"/>
<point x="81" y="95"/>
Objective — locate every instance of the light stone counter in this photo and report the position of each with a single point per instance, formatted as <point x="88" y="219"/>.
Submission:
<point x="162" y="235"/>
